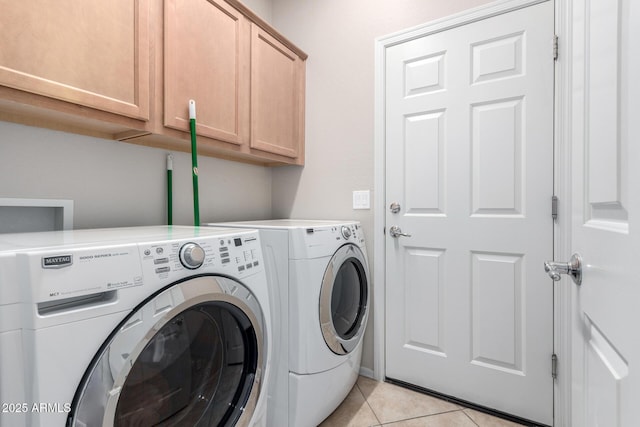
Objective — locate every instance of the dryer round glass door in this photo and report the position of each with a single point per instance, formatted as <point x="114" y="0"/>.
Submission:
<point x="190" y="356"/>
<point x="344" y="299"/>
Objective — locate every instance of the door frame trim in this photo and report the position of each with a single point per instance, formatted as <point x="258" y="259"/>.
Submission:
<point x="563" y="308"/>
<point x="562" y="181"/>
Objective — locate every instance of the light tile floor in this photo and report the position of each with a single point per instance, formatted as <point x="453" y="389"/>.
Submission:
<point x="372" y="403"/>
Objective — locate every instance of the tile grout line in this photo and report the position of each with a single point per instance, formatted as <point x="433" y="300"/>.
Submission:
<point x="468" y="416"/>
<point x="369" y="405"/>
<point x="428" y="416"/>
<point x="461" y="408"/>
<point x="380" y="423"/>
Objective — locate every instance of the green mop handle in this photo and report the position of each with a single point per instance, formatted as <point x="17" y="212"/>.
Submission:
<point x="194" y="162"/>
<point x="169" y="189"/>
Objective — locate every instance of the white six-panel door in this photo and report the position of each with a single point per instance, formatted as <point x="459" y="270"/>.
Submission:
<point x="606" y="213"/>
<point x="469" y="159"/>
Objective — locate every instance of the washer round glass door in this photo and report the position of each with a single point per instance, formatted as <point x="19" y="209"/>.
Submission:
<point x="344" y="299"/>
<point x="191" y="355"/>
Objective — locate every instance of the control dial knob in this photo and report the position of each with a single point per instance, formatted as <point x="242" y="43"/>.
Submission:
<point x="191" y="255"/>
<point x="346" y="232"/>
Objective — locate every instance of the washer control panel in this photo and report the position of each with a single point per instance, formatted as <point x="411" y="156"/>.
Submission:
<point x="236" y="254"/>
<point x="102" y="263"/>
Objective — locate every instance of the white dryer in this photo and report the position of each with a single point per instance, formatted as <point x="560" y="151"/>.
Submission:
<point x="138" y="326"/>
<point x="320" y="270"/>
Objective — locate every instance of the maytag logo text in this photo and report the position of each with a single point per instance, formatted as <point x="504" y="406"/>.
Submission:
<point x="59" y="261"/>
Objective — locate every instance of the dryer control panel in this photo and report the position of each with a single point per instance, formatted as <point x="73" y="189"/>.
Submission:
<point x="313" y="242"/>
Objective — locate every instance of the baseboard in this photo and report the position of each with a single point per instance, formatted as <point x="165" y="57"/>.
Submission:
<point x="366" y="372"/>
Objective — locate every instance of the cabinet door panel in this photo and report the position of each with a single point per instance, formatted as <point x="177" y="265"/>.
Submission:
<point x="206" y="59"/>
<point x="277" y="77"/>
<point x="91" y="53"/>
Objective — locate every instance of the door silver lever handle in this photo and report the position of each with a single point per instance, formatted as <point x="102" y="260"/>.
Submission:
<point x="395" y="231"/>
<point x="573" y="268"/>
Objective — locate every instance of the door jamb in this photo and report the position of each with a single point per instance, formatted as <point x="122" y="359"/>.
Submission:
<point x="562" y="181"/>
<point x="563" y="309"/>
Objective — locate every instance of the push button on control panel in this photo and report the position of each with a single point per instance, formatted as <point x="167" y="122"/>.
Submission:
<point x="245" y="257"/>
<point x="224" y="255"/>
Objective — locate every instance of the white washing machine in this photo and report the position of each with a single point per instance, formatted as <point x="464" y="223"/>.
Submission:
<point x="11" y="367"/>
<point x="135" y="326"/>
<point x="320" y="270"/>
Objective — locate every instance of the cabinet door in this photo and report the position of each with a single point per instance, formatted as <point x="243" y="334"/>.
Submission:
<point x="92" y="53"/>
<point x="277" y="96"/>
<point x="206" y="59"/>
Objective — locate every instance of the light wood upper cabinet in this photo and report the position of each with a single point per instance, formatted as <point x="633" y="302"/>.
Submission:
<point x="126" y="70"/>
<point x="206" y="58"/>
<point x="90" y="53"/>
<point x="277" y="96"/>
<point x="248" y="85"/>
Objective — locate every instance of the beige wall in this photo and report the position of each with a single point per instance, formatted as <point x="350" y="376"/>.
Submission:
<point x="119" y="184"/>
<point x="262" y="8"/>
<point x="339" y="37"/>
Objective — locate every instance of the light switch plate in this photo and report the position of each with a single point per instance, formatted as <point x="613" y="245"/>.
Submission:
<point x="362" y="199"/>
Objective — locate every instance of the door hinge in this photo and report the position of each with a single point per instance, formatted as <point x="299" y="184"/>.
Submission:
<point x="554" y="208"/>
<point x="555" y="48"/>
<point x="554" y="366"/>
